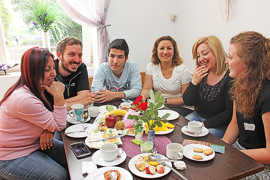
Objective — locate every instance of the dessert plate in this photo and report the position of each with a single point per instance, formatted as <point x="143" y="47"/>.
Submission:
<point x="78" y="130"/>
<point x="186" y="131"/>
<point x="188" y="152"/>
<point x="173" y="114"/>
<point x="73" y="120"/>
<point x="97" y="158"/>
<point x="134" y="170"/>
<point x="99" y="175"/>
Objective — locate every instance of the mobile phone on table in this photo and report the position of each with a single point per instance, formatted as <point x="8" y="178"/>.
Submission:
<point x="80" y="150"/>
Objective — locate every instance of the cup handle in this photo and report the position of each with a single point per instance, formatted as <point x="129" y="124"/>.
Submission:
<point x="120" y="151"/>
<point x="180" y="155"/>
<point x="71" y="113"/>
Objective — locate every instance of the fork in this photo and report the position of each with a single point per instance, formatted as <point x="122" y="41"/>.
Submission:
<point x="174" y="170"/>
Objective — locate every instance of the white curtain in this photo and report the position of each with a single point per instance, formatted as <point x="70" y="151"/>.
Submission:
<point x="93" y="13"/>
<point x="3" y="53"/>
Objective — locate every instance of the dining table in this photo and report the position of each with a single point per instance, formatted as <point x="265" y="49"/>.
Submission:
<point x="233" y="164"/>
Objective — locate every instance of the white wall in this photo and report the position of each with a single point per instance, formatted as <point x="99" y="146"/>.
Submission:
<point x="141" y="22"/>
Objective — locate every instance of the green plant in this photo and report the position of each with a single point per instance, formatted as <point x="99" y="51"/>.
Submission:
<point x="149" y="111"/>
<point x="61" y="27"/>
<point x="44" y="15"/>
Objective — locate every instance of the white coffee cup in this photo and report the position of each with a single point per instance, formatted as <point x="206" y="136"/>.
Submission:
<point x="109" y="151"/>
<point x="78" y="110"/>
<point x="174" y="151"/>
<point x="195" y="127"/>
<point x="93" y="111"/>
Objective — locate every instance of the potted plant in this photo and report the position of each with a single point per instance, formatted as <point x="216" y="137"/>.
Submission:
<point x="149" y="113"/>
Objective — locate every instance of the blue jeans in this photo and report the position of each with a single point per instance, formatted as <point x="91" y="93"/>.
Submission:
<point x="39" y="165"/>
<point x="194" y="116"/>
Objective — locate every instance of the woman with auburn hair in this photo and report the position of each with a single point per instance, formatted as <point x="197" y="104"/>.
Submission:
<point x="209" y="89"/>
<point x="249" y="63"/>
<point x="27" y="122"/>
<point x="167" y="74"/>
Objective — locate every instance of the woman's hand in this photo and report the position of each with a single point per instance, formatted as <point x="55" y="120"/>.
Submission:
<point x="199" y="74"/>
<point x="46" y="140"/>
<point x="56" y="89"/>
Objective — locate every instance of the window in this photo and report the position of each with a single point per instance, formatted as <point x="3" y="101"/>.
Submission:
<point x="20" y="33"/>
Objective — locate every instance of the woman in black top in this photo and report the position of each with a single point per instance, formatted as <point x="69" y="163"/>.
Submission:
<point x="210" y="86"/>
<point x="249" y="63"/>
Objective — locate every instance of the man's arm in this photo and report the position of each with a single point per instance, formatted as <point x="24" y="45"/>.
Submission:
<point x="83" y="97"/>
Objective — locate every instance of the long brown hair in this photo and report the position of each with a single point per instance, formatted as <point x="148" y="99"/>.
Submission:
<point x="33" y="63"/>
<point x="254" y="50"/>
<point x="176" y="60"/>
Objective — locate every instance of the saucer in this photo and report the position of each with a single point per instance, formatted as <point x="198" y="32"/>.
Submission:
<point x="73" y="120"/>
<point x="78" y="130"/>
<point x="99" y="160"/>
<point x="204" y="132"/>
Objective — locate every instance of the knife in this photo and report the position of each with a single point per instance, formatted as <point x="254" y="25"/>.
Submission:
<point x="71" y="132"/>
<point x="104" y="139"/>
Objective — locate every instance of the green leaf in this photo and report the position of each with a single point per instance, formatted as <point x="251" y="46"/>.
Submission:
<point x="165" y="116"/>
<point x="152" y="96"/>
<point x="109" y="108"/>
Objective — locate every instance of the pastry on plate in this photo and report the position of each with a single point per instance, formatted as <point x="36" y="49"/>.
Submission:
<point x="112" y="174"/>
<point x="197" y="157"/>
<point x="197" y="150"/>
<point x="208" y="152"/>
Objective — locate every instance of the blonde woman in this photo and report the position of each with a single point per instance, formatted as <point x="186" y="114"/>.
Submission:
<point x="209" y="89"/>
<point x="249" y="130"/>
<point x="167" y="73"/>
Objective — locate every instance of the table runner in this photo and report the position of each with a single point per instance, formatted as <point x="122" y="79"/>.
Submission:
<point x="132" y="149"/>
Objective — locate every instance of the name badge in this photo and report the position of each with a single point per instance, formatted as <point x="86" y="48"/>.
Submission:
<point x="249" y="127"/>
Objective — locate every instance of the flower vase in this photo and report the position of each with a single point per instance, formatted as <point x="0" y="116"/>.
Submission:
<point x="151" y="136"/>
<point x="46" y="40"/>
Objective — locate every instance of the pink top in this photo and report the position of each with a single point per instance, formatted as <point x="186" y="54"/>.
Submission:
<point x="23" y="117"/>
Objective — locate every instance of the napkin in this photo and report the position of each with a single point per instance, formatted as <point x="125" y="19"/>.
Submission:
<point x="88" y="167"/>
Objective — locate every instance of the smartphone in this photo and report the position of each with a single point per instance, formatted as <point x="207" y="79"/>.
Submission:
<point x="80" y="150"/>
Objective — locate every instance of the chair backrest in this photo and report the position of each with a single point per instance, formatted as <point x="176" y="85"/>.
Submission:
<point x="90" y="79"/>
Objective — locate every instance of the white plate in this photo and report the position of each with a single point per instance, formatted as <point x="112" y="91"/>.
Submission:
<point x="78" y="130"/>
<point x="188" y="152"/>
<point x="97" y="158"/>
<point x="204" y="132"/>
<point x="162" y="106"/>
<point x="103" y="109"/>
<point x="134" y="170"/>
<point x="173" y="114"/>
<point x="99" y="175"/>
<point x="96" y="135"/>
<point x="164" y="132"/>
<point x="73" y="120"/>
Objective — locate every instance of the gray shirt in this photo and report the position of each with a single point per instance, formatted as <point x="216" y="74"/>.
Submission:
<point x="129" y="82"/>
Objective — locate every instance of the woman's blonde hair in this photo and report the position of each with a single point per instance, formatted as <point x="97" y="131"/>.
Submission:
<point x="216" y="47"/>
<point x="254" y="50"/>
<point x="176" y="60"/>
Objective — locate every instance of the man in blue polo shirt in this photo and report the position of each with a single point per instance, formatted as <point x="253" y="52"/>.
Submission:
<point x="117" y="78"/>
